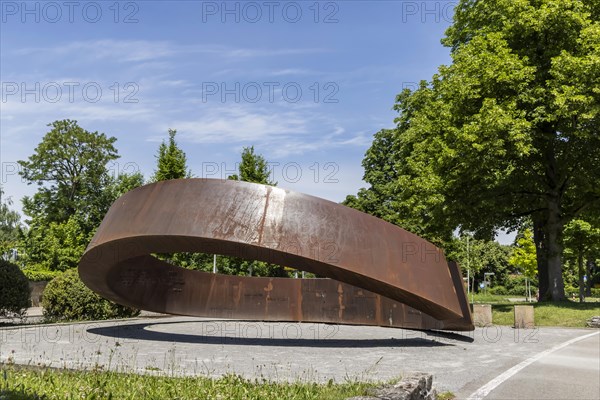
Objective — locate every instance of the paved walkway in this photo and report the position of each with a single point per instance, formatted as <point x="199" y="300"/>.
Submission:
<point x="461" y="363"/>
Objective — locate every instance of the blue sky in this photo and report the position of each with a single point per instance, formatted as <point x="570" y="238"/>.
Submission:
<point x="307" y="83"/>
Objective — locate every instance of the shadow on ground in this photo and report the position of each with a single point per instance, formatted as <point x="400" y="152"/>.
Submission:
<point x="255" y="337"/>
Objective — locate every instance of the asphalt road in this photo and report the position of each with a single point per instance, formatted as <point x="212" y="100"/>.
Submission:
<point x="463" y="363"/>
<point x="572" y="372"/>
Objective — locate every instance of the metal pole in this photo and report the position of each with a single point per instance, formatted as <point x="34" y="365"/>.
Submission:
<point x="469" y="268"/>
<point x="484" y="284"/>
<point x="215" y="264"/>
<point x="468" y="282"/>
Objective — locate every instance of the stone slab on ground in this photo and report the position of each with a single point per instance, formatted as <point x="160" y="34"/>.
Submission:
<point x="593" y="322"/>
<point x="460" y="362"/>
<point x="416" y="386"/>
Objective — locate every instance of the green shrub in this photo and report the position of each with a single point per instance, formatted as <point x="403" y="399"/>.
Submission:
<point x="570" y="290"/>
<point x="515" y="285"/>
<point x="595" y="279"/>
<point x="14" y="290"/>
<point x="498" y="290"/>
<point x="67" y="298"/>
<point x="521" y="291"/>
<point x="36" y="275"/>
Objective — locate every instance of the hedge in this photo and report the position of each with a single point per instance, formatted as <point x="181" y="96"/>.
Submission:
<point x="36" y="275"/>
<point x="67" y="298"/>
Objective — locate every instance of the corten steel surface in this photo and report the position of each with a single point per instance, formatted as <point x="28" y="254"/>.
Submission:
<point x="380" y="274"/>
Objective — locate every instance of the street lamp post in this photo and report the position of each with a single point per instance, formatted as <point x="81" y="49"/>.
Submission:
<point x="486" y="275"/>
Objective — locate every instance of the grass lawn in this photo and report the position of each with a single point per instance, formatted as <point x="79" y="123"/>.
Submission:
<point x="492" y="298"/>
<point x="566" y="314"/>
<point x="21" y="383"/>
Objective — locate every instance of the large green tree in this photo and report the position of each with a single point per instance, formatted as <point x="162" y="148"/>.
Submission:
<point x="171" y="161"/>
<point x="70" y="166"/>
<point x="508" y="132"/>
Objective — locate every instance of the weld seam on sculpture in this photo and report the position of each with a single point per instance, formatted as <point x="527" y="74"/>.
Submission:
<point x="379" y="273"/>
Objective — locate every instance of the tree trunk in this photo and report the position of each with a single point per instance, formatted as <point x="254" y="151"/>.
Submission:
<point x="539" y="237"/>
<point x="556" y="290"/>
<point x="588" y="286"/>
<point x="581" y="273"/>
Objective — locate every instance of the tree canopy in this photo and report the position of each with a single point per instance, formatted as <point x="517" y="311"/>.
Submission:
<point x="69" y="166"/>
<point x="524" y="254"/>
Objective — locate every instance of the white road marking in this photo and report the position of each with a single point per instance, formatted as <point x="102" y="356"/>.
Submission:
<point x="494" y="383"/>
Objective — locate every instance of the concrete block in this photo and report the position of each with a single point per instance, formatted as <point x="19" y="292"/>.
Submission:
<point x="524" y="317"/>
<point x="482" y="314"/>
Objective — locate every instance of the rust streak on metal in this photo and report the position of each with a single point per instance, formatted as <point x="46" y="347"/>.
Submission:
<point x="264" y="216"/>
<point x="380" y="274"/>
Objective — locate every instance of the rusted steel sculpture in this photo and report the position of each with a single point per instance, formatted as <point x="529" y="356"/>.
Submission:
<point x="380" y="274"/>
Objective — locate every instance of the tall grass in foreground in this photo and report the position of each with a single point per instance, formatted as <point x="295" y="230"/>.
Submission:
<point x="18" y="383"/>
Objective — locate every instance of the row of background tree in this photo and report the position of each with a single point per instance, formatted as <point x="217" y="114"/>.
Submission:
<point x="76" y="188"/>
<point x="505" y="137"/>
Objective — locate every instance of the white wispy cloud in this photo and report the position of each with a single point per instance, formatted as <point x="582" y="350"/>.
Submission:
<point x="117" y="50"/>
<point x="292" y="71"/>
<point x="238" y="124"/>
<point x="145" y="50"/>
<point x="281" y="132"/>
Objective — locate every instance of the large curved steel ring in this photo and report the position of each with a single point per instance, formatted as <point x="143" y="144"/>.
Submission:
<point x="380" y="274"/>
